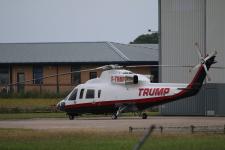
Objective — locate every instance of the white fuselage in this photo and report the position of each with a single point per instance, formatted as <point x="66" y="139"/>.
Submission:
<point x="111" y="87"/>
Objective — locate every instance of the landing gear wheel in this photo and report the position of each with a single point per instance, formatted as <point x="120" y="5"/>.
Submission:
<point x="114" y="116"/>
<point x="71" y="117"/>
<point x="144" y="116"/>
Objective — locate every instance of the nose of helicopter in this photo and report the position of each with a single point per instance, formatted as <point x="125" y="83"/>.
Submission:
<point x="61" y="105"/>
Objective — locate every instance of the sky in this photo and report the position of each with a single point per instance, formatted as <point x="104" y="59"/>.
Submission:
<point x="27" y="21"/>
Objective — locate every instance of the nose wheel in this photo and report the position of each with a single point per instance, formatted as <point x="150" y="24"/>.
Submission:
<point x="144" y="116"/>
<point x="71" y="117"/>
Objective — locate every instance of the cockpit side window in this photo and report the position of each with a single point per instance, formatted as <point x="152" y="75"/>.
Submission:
<point x="81" y="93"/>
<point x="99" y="93"/>
<point x="90" y="94"/>
<point x="73" y="96"/>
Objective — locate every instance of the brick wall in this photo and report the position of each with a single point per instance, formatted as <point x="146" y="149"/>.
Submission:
<point x="64" y="82"/>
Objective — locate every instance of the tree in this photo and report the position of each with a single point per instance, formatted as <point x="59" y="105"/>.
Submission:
<point x="147" y="39"/>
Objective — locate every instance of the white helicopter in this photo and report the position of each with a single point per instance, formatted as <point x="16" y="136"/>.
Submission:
<point x="118" y="90"/>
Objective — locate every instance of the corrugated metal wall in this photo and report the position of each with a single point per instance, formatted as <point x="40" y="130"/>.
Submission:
<point x="221" y="100"/>
<point x="182" y="23"/>
<point x="215" y="35"/>
<point x="206" y="103"/>
<point x="186" y="106"/>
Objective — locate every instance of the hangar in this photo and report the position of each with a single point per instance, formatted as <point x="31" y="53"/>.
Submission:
<point x="181" y="24"/>
<point x="27" y="61"/>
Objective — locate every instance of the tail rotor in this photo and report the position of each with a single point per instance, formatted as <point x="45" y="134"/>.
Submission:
<point x="203" y="60"/>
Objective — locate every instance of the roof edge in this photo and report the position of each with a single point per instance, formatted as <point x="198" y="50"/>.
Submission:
<point x="57" y="42"/>
<point x="106" y="62"/>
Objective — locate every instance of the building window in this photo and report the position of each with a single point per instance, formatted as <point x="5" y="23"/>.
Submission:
<point x="37" y="75"/>
<point x="93" y="75"/>
<point x="75" y="76"/>
<point x="90" y="94"/>
<point x="4" y="75"/>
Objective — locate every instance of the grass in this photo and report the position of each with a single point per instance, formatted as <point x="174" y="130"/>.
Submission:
<point x="27" y="105"/>
<point x="187" y="142"/>
<point x="27" y="102"/>
<point x="27" y="108"/>
<point x="13" y="116"/>
<point x="26" y="139"/>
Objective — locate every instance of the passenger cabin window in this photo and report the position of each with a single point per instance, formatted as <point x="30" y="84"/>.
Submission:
<point x="73" y="96"/>
<point x="99" y="93"/>
<point x="81" y="93"/>
<point x="90" y="94"/>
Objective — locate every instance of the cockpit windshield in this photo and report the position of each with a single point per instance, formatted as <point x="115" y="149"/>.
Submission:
<point x="73" y="95"/>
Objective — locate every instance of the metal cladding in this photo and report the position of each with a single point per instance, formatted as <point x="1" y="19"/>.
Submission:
<point x="208" y="102"/>
<point x="182" y="24"/>
<point x="215" y="36"/>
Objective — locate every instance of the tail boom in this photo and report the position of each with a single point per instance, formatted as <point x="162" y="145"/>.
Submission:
<point x="193" y="88"/>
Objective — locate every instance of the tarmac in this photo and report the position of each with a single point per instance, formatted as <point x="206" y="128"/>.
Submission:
<point x="106" y="124"/>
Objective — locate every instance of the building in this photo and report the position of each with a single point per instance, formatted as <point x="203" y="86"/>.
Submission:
<point x="182" y="23"/>
<point x="27" y="61"/>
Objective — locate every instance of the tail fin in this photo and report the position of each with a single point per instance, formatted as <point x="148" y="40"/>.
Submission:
<point x="200" y="76"/>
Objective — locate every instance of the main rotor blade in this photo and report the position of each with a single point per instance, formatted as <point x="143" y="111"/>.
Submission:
<point x="139" y="66"/>
<point x="54" y="75"/>
<point x="176" y="66"/>
<point x="103" y="67"/>
<point x="218" y="67"/>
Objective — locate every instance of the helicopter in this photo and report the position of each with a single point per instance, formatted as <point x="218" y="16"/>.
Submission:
<point x="118" y="90"/>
